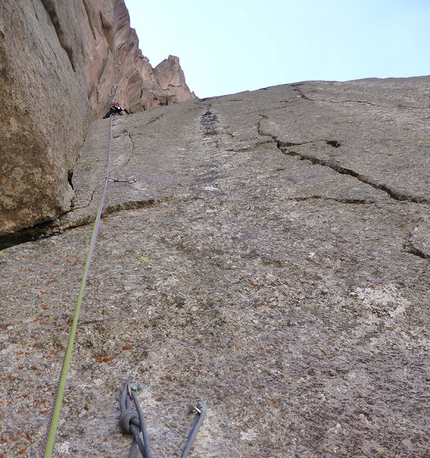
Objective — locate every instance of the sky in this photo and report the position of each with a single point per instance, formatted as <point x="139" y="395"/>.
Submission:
<point x="229" y="46"/>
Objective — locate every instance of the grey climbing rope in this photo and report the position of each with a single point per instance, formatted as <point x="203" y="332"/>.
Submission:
<point x="132" y="422"/>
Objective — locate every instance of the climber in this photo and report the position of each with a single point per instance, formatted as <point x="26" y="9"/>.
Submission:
<point x="116" y="108"/>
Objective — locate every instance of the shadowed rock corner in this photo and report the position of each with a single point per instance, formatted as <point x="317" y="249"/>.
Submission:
<point x="74" y="59"/>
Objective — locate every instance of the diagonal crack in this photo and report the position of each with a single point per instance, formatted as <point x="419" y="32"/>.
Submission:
<point x="75" y="207"/>
<point x="285" y="148"/>
<point x="342" y="201"/>
<point x="52" y="228"/>
<point x="409" y="247"/>
<point x="302" y="95"/>
<point x="416" y="242"/>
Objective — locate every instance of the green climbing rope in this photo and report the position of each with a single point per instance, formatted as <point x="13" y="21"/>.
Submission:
<point x="53" y="422"/>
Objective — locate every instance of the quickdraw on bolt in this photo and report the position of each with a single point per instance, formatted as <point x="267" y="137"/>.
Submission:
<point x="133" y="423"/>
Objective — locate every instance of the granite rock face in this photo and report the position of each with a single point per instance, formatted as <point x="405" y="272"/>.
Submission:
<point x="271" y="258"/>
<point x="171" y="79"/>
<point x="61" y="65"/>
<point x="135" y="83"/>
<point x="45" y="115"/>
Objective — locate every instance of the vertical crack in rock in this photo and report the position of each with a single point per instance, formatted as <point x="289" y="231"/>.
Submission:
<point x="50" y="8"/>
<point x="70" y="178"/>
<point x="209" y="123"/>
<point x="90" y="19"/>
<point x="125" y="133"/>
<point x="133" y="149"/>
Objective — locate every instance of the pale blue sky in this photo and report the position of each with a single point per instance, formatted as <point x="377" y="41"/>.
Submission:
<point x="228" y="46"/>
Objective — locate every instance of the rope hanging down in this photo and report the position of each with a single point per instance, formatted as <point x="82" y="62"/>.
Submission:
<point x="130" y="422"/>
<point x="49" y="439"/>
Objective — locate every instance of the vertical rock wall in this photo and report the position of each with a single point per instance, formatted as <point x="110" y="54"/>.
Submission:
<point x="44" y="118"/>
<point x="61" y="65"/>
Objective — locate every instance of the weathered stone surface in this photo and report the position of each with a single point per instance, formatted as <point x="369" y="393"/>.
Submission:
<point x="171" y="79"/>
<point x="270" y="259"/>
<point x="71" y="60"/>
<point x="45" y="115"/>
<point x="97" y="35"/>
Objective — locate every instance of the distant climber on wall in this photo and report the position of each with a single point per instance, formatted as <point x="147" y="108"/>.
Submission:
<point x="116" y="108"/>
